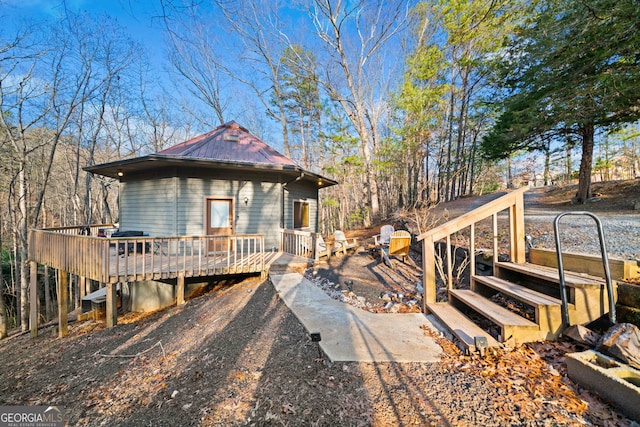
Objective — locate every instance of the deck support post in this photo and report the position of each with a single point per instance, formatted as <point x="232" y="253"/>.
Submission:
<point x="180" y="289"/>
<point x="33" y="297"/>
<point x="63" y="304"/>
<point x="112" y="308"/>
<point x="83" y="287"/>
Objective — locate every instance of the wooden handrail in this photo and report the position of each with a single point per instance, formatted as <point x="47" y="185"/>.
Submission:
<point x="111" y="260"/>
<point x="513" y="201"/>
<point x="299" y="243"/>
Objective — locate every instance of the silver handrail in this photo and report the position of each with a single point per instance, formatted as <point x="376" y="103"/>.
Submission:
<point x="605" y="263"/>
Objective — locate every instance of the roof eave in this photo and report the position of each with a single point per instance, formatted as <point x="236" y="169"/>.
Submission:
<point x="119" y="168"/>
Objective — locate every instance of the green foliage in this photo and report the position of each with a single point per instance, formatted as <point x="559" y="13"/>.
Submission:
<point x="572" y="64"/>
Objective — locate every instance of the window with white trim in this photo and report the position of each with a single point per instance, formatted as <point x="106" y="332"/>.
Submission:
<point x="300" y="214"/>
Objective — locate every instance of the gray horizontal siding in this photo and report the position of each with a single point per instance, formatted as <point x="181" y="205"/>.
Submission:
<point x="176" y="206"/>
<point x="260" y="215"/>
<point x="301" y="191"/>
<point x="149" y="206"/>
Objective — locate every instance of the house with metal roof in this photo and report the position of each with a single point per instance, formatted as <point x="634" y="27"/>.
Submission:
<point x="220" y="204"/>
<point x="224" y="182"/>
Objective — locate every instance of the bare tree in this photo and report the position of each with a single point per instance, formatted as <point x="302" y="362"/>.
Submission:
<point x="49" y="83"/>
<point x="193" y="56"/>
<point x="355" y="36"/>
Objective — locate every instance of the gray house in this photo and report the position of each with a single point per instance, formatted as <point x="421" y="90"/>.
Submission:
<point x="224" y="182"/>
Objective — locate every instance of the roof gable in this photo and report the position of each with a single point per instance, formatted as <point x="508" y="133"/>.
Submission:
<point x="229" y="142"/>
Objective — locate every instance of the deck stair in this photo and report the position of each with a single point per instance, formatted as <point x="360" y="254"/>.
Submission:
<point x="528" y="285"/>
<point x="521" y="301"/>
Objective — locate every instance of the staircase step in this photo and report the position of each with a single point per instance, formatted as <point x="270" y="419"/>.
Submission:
<point x="519" y="292"/>
<point x="460" y="326"/>
<point x="512" y="325"/>
<point x="548" y="310"/>
<point x="548" y="274"/>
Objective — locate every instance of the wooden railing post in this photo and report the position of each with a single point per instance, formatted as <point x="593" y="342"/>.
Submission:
<point x="429" y="271"/>
<point x="516" y="223"/>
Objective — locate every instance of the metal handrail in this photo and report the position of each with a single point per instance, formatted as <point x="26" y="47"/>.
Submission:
<point x="605" y="263"/>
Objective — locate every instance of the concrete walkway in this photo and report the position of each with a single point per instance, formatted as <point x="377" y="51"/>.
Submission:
<point x="352" y="334"/>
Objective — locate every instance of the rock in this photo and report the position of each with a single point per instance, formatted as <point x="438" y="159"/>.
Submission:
<point x="385" y="297"/>
<point x="622" y="341"/>
<point x="174" y="394"/>
<point x="582" y="335"/>
<point x="389" y="305"/>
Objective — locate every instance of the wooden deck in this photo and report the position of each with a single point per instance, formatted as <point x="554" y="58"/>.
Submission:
<point x="81" y="252"/>
<point x="148" y="258"/>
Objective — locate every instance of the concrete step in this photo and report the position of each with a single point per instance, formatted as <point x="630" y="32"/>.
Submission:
<point x="460" y="326"/>
<point x="512" y="326"/>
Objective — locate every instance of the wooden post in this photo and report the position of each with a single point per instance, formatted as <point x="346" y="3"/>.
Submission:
<point x="112" y="308"/>
<point x="83" y="287"/>
<point x="429" y="272"/>
<point x="516" y="214"/>
<point x="33" y="309"/>
<point x="63" y="304"/>
<point x="180" y="289"/>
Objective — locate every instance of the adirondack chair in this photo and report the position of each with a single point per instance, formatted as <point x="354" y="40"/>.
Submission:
<point x="321" y="248"/>
<point x="399" y="245"/>
<point x="342" y="244"/>
<point x="382" y="239"/>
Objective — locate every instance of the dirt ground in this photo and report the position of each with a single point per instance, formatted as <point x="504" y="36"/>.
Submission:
<point x="237" y="356"/>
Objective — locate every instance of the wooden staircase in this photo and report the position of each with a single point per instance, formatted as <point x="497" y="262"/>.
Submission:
<point x="533" y="286"/>
<point x="533" y="290"/>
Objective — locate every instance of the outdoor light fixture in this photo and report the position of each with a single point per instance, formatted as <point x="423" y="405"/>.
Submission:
<point x="246" y="200"/>
<point x="120" y="173"/>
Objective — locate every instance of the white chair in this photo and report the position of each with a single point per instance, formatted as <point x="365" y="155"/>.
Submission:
<point x="382" y="239"/>
<point x="321" y="248"/>
<point x="342" y="244"/>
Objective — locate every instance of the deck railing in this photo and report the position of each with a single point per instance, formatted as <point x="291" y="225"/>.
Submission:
<point x="299" y="243"/>
<point x="112" y="260"/>
<point x="513" y="201"/>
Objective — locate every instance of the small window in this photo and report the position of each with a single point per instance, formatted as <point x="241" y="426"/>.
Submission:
<point x="300" y="214"/>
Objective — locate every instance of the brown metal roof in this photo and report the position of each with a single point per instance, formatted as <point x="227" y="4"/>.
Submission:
<point x="229" y="142"/>
<point x="227" y="147"/>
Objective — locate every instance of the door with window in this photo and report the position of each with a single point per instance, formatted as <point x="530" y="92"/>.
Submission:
<point x="219" y="223"/>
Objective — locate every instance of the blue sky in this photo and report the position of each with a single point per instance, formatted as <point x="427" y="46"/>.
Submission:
<point x="140" y="17"/>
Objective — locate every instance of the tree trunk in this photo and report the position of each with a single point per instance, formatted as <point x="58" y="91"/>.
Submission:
<point x="586" y="163"/>
<point x="547" y="162"/>
<point x="23" y="252"/>
<point x="3" y="308"/>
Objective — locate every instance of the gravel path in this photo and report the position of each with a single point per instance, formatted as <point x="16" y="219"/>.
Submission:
<point x="579" y="233"/>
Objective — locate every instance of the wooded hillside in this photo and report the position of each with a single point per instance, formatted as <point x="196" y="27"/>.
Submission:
<point x="390" y="98"/>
